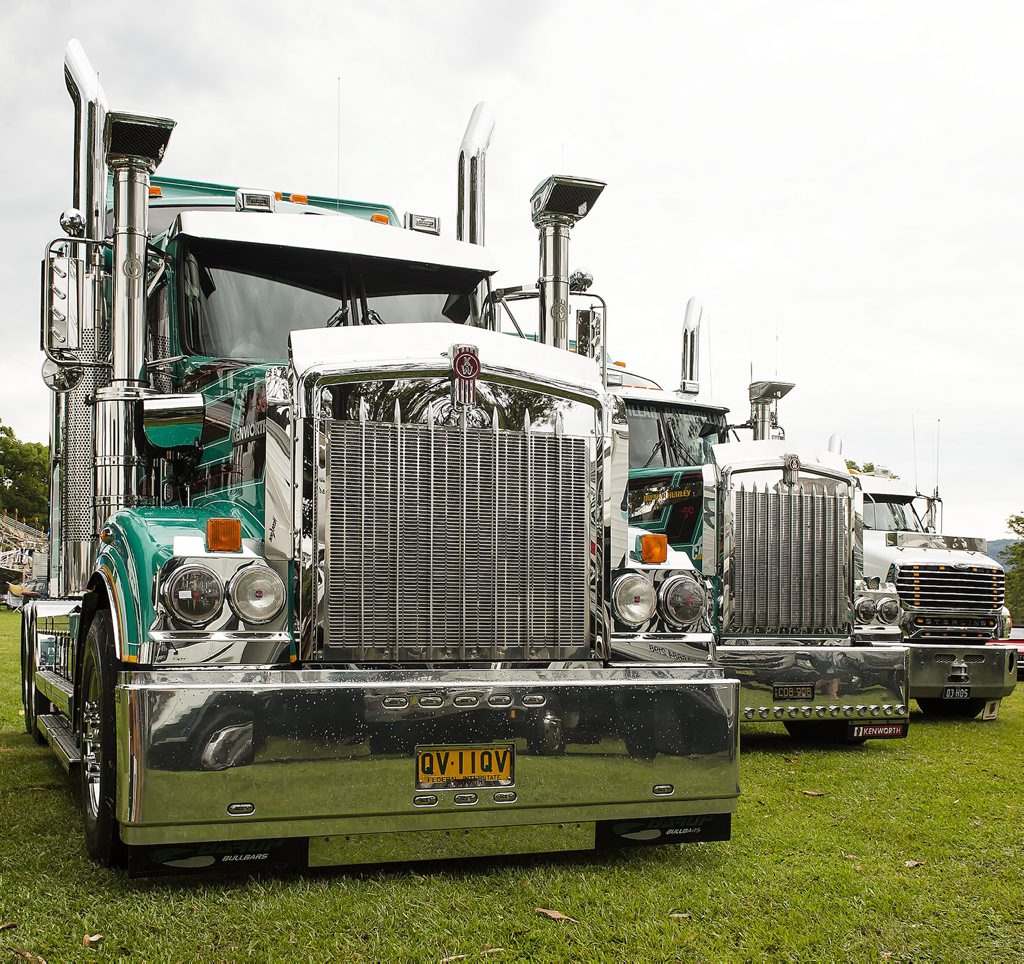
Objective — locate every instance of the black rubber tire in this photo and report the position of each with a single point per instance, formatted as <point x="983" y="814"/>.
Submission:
<point x="34" y="703"/>
<point x="546" y="733"/>
<point x="951" y="709"/>
<point x="828" y="731"/>
<point x="102" y="837"/>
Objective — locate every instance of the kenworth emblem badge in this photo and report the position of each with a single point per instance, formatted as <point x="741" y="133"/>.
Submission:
<point x="465" y="368"/>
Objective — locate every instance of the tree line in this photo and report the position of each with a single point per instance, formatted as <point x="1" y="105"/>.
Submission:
<point x="24" y="479"/>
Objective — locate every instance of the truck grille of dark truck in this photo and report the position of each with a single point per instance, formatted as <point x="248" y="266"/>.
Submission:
<point x="788" y="565"/>
<point x="947" y="603"/>
<point x="449" y="543"/>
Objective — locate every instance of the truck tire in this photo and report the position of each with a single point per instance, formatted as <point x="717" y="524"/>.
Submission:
<point x="32" y="700"/>
<point x="829" y="731"/>
<point x="98" y="743"/>
<point x="951" y="709"/>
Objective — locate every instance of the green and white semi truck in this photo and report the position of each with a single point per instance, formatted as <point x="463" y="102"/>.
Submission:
<point x="776" y="527"/>
<point x="339" y="571"/>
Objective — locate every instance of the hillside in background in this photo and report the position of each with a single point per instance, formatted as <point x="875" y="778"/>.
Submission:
<point x="996" y="547"/>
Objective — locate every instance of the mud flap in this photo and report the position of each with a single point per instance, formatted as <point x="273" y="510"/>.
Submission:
<point x="161" y="860"/>
<point x="663" y="830"/>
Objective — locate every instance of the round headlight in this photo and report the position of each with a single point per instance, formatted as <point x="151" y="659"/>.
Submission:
<point x="888" y="609"/>
<point x="864" y="609"/>
<point x="256" y="594"/>
<point x="634" y="599"/>
<point x="682" y="600"/>
<point x="193" y="595"/>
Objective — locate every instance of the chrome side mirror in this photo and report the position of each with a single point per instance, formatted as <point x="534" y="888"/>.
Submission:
<point x="61" y="378"/>
<point x="172" y="421"/>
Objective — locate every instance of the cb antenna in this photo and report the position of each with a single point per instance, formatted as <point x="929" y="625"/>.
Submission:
<point x="337" y="196"/>
<point x="913" y="435"/>
<point x="938" y="430"/>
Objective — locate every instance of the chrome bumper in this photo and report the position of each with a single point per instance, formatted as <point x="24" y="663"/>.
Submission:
<point x="790" y="682"/>
<point x="990" y="672"/>
<point x="269" y="756"/>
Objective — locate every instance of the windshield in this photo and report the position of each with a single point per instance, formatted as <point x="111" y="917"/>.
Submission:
<point x="890" y="515"/>
<point x="240" y="301"/>
<point x="668" y="436"/>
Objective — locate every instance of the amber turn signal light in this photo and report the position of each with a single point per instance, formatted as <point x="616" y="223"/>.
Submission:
<point x="380" y="219"/>
<point x="653" y="547"/>
<point x="223" y="535"/>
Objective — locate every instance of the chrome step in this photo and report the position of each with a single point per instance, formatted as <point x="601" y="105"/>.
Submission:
<point x="58" y="734"/>
<point x="58" y="690"/>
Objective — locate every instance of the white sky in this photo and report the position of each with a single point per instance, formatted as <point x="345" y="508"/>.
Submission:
<point x="840" y="184"/>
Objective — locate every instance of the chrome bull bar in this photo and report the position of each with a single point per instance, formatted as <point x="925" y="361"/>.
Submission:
<point x="786" y="683"/>
<point x="243" y="755"/>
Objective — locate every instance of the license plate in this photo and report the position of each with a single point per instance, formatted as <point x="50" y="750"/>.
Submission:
<point x="469" y="766"/>
<point x="956" y="693"/>
<point x="783" y="692"/>
<point x="878" y="731"/>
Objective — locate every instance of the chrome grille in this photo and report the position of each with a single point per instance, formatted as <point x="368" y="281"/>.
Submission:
<point x="455" y="543"/>
<point x="935" y="588"/>
<point x="788" y="567"/>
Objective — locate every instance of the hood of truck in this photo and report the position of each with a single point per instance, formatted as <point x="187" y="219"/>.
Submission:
<point x="387" y="350"/>
<point x="878" y="556"/>
<point x="748" y="454"/>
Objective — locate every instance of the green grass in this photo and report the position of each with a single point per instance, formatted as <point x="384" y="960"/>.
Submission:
<point x="805" y="877"/>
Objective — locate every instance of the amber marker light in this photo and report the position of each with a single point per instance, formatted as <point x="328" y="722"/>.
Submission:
<point x="380" y="219"/>
<point x="654" y="547"/>
<point x="223" y="535"/>
<point x="299" y="199"/>
<point x="155" y="190"/>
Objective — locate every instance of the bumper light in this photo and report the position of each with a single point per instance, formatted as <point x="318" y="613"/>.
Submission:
<point x="256" y="593"/>
<point x="634" y="599"/>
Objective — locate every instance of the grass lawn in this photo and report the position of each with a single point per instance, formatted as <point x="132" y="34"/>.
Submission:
<point x="805" y="877"/>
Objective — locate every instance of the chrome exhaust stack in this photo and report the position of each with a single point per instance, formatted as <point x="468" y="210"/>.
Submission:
<point x="89" y="180"/>
<point x="689" y="383"/>
<point x="469" y="221"/>
<point x="72" y="491"/>
<point x="134" y="147"/>
<point x="764" y="407"/>
<point x="556" y="205"/>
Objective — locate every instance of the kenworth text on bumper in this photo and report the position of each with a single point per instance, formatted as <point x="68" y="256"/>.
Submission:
<point x="337" y="566"/>
<point x="775" y="526"/>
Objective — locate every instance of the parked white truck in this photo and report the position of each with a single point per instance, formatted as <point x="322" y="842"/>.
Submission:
<point x="950" y="595"/>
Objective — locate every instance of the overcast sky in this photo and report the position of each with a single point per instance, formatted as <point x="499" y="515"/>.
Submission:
<point x="840" y="184"/>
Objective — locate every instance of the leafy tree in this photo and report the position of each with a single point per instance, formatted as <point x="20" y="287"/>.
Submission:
<point x="1013" y="559"/>
<point x="24" y="478"/>
<point x="867" y="468"/>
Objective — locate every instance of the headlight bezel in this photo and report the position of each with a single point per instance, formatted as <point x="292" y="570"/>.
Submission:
<point x="888" y="620"/>
<point x="174" y="578"/>
<point x="864" y="609"/>
<point x="643" y="584"/>
<point x="672" y="584"/>
<point x="256" y="568"/>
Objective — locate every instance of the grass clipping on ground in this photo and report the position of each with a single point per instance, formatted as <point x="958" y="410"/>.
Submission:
<point x="901" y="850"/>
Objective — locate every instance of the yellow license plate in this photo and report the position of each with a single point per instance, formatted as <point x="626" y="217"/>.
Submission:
<point x="474" y="766"/>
